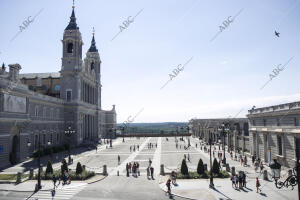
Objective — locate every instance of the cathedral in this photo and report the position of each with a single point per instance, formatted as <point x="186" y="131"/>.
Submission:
<point x="53" y="109"/>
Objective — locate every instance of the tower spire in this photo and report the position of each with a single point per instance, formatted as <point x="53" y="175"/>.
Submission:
<point x="72" y="24"/>
<point x="93" y="47"/>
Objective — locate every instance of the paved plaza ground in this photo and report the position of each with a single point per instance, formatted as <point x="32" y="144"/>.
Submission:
<point x="122" y="187"/>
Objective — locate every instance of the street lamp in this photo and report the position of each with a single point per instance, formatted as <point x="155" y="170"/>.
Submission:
<point x="211" y="182"/>
<point x="122" y="129"/>
<point x="68" y="133"/>
<point x="38" y="185"/>
<point x="223" y="129"/>
<point x="292" y="180"/>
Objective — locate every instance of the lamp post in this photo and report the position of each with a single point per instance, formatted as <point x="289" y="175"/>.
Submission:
<point x="293" y="178"/>
<point x="38" y="185"/>
<point x="122" y="132"/>
<point x="211" y="182"/>
<point x="68" y="133"/>
<point x="223" y="129"/>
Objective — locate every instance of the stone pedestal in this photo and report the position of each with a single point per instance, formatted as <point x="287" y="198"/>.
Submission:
<point x="19" y="175"/>
<point x="104" y="170"/>
<point x="31" y="173"/>
<point x="233" y="171"/>
<point x="162" y="170"/>
<point x="266" y="175"/>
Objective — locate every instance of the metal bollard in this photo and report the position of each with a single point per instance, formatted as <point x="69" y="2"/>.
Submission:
<point x="19" y="174"/>
<point x="104" y="170"/>
<point x="162" y="170"/>
<point x="31" y="173"/>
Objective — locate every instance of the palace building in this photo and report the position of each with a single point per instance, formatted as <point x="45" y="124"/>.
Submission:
<point x="41" y="108"/>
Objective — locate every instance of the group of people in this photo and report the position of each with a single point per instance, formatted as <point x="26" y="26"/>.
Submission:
<point x="134" y="147"/>
<point x="257" y="164"/>
<point x="65" y="177"/>
<point x="239" y="181"/>
<point x="133" y="168"/>
<point x="151" y="145"/>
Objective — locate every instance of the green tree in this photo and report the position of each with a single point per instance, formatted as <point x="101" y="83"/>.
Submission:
<point x="49" y="169"/>
<point x="215" y="168"/>
<point x="200" y="167"/>
<point x="64" y="166"/>
<point x="78" y="168"/>
<point x="184" y="169"/>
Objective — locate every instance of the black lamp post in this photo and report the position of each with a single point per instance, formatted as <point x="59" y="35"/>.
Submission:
<point x="223" y="129"/>
<point x="211" y="182"/>
<point x="68" y="133"/>
<point x="122" y="132"/>
<point x="38" y="185"/>
<point x="292" y="180"/>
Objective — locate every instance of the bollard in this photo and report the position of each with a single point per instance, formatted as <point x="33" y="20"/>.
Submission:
<point x="31" y="173"/>
<point x="205" y="167"/>
<point x="266" y="175"/>
<point x="19" y="174"/>
<point x="41" y="168"/>
<point x="227" y="167"/>
<point x="233" y="171"/>
<point x="104" y="170"/>
<point x="162" y="170"/>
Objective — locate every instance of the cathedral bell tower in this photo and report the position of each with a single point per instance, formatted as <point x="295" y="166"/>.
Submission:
<point x="71" y="61"/>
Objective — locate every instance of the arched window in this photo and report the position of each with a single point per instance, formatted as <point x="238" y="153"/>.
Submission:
<point x="70" y="48"/>
<point x="92" y="66"/>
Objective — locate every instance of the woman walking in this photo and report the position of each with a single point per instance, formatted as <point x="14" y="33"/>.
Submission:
<point x="257" y="185"/>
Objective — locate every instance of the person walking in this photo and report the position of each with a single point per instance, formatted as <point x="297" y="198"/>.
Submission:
<point x="129" y="166"/>
<point x="245" y="161"/>
<point x="168" y="184"/>
<point x="119" y="159"/>
<point x="69" y="176"/>
<point x="261" y="167"/>
<point x="54" y="179"/>
<point x="253" y="159"/>
<point x="127" y="169"/>
<point x="130" y="148"/>
<point x="138" y="168"/>
<point x="257" y="185"/>
<point x="240" y="178"/>
<point x="196" y="145"/>
<point x="152" y="172"/>
<point x="148" y="172"/>
<point x="235" y="181"/>
<point x="244" y="180"/>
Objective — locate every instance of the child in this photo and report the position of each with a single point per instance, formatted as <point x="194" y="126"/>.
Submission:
<point x="168" y="184"/>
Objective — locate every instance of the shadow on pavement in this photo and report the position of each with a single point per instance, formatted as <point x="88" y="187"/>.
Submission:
<point x="228" y="198"/>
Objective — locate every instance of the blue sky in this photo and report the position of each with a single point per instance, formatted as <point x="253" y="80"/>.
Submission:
<point x="223" y="77"/>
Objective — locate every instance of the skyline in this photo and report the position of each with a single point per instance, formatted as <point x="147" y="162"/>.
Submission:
<point x="224" y="76"/>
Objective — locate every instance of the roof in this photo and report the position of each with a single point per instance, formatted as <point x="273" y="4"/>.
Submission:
<point x="40" y="75"/>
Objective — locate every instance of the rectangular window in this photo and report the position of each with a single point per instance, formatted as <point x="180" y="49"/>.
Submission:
<point x="279" y="144"/>
<point x="69" y="95"/>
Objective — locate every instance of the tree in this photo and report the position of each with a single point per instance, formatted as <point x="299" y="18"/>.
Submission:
<point x="78" y="168"/>
<point x="184" y="169"/>
<point x="215" y="168"/>
<point x="64" y="166"/>
<point x="49" y="169"/>
<point x="200" y="167"/>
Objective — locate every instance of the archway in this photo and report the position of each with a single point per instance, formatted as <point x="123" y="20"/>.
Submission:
<point x="14" y="154"/>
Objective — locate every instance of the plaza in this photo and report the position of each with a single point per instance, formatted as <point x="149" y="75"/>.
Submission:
<point x="116" y="185"/>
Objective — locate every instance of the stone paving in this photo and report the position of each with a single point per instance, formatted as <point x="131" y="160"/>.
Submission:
<point x="166" y="153"/>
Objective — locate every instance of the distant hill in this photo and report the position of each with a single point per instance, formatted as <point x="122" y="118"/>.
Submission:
<point x="154" y="127"/>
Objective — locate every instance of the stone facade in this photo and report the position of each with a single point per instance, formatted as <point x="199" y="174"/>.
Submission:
<point x="237" y="137"/>
<point x="39" y="107"/>
<point x="275" y="133"/>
